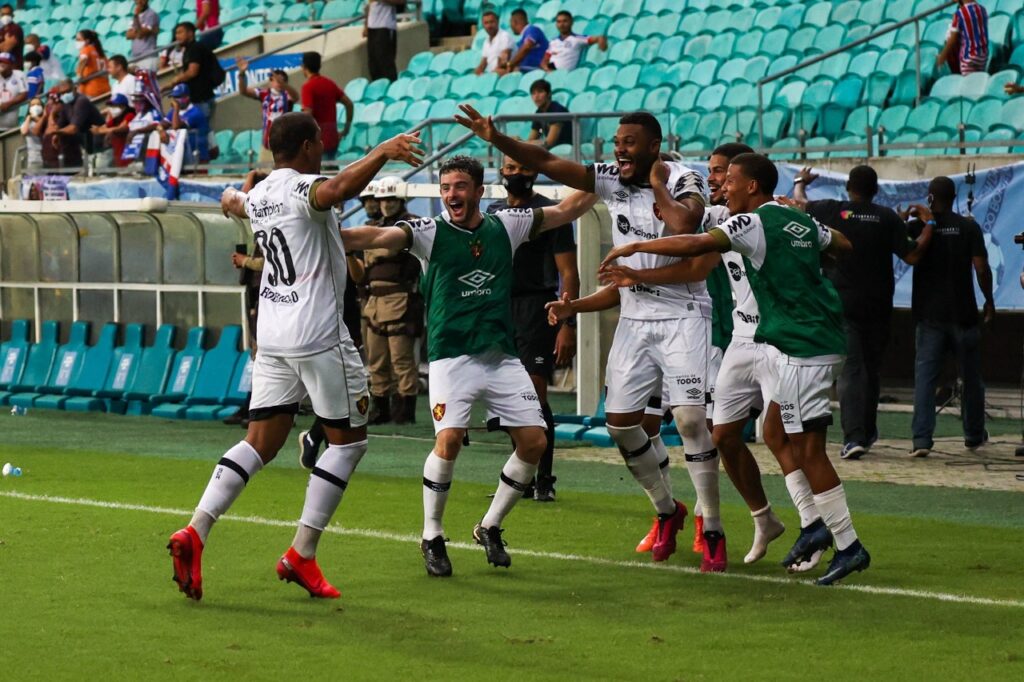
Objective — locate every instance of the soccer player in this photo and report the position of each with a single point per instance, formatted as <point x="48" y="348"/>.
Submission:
<point x="800" y="316"/>
<point x="304" y="348"/>
<point x="467" y="283"/>
<point x="664" y="331"/>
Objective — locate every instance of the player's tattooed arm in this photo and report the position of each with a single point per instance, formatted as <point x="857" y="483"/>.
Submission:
<point x="354" y="177"/>
<point x="567" y="210"/>
<point x="534" y="156"/>
<point x="605" y="298"/>
<point x="687" y="270"/>
<point x="681" y="246"/>
<point x="363" y="238"/>
<point x="682" y="211"/>
<point x="232" y="203"/>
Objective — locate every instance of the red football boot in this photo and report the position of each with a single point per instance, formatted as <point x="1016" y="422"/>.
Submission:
<point x="714" y="560"/>
<point x="665" y="542"/>
<point x="187" y="554"/>
<point x="648" y="541"/>
<point x="698" y="534"/>
<point x="295" y="569"/>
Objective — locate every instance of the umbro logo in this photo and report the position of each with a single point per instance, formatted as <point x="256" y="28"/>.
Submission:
<point x="621" y="195"/>
<point x="476" y="278"/>
<point x="787" y="416"/>
<point x="694" y="392"/>
<point x="797" y="230"/>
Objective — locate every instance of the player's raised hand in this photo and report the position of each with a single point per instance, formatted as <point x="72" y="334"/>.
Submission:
<point x="404" y="147"/>
<point x="482" y="126"/>
<point x="620" y="251"/>
<point x="619" y="275"/>
<point x="559" y="310"/>
<point x="659" y="173"/>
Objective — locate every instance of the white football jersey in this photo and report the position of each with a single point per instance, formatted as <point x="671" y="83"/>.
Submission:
<point x="745" y="314"/>
<point x="303" y="286"/>
<point x="635" y="217"/>
<point x="565" y="53"/>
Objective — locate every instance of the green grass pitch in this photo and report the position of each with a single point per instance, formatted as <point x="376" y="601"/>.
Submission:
<point x="85" y="588"/>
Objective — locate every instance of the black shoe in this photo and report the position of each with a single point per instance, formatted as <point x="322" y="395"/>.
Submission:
<point x="309" y="450"/>
<point x="403" y="409"/>
<point x="435" y="556"/>
<point x="380" y="410"/>
<point x="813" y="539"/>
<point x="853" y="558"/>
<point x="529" y="491"/>
<point x="492" y="543"/>
<point x="975" y="444"/>
<point x="545" y="490"/>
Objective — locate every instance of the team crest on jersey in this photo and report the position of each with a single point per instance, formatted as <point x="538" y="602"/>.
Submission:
<point x="363" y="404"/>
<point x="438" y="412"/>
<point x="476" y="248"/>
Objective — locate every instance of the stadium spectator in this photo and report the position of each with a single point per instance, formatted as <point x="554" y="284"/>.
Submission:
<point x="69" y="127"/>
<point x="116" y="128"/>
<point x="12" y="38"/>
<point x="173" y="57"/>
<point x="32" y="130"/>
<point x="91" y="61"/>
<point x="946" y="314"/>
<point x="202" y="74"/>
<point x="966" y="48"/>
<point x="146" y="119"/>
<point x="208" y="21"/>
<point x="52" y="68"/>
<point x="143" y="32"/>
<point x="380" y="28"/>
<point x="185" y="115"/>
<point x="537" y="269"/>
<point x="532" y="43"/>
<point x="124" y="81"/>
<point x="34" y="75"/>
<point x="13" y="91"/>
<point x="548" y="133"/>
<point x="866" y="283"/>
<point x="276" y="99"/>
<point x="394" y="316"/>
<point x="497" y="48"/>
<point x="320" y="97"/>
<point x="565" y="51"/>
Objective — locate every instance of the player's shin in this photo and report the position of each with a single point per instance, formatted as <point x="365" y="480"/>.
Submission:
<point x="437" y="481"/>
<point x="661" y="452"/>
<point x="636" y="448"/>
<point x="836" y="515"/>
<point x="702" y="462"/>
<point x="515" y="476"/>
<point x="229" y="479"/>
<point x="803" y="498"/>
<point x="327" y="483"/>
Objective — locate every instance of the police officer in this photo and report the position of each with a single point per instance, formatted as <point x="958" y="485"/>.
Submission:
<point x="394" y="316"/>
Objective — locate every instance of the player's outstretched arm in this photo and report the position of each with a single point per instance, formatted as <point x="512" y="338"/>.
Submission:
<point x="362" y="238"/>
<point x="685" y="271"/>
<point x="682" y="215"/>
<point x="232" y="203"/>
<point x="565" y="307"/>
<point x="357" y="175"/>
<point x="534" y="156"/>
<point x="565" y="211"/>
<point x="681" y="246"/>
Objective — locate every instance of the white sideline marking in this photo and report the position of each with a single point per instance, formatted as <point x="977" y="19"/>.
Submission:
<point x="596" y="561"/>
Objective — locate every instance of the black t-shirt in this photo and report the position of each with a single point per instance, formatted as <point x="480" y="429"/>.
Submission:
<point x="533" y="267"/>
<point x="201" y="87"/>
<point x="564" y="135"/>
<point x="864" y="278"/>
<point x="944" y="277"/>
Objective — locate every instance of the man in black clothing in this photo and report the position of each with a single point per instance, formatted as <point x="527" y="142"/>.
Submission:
<point x="201" y="71"/>
<point x="536" y="270"/>
<point x="548" y="133"/>
<point x="946" y="313"/>
<point x="865" y="282"/>
<point x="73" y="125"/>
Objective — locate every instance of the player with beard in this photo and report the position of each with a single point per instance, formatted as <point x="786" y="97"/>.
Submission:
<point x="800" y="315"/>
<point x="467" y="285"/>
<point x="664" y="331"/>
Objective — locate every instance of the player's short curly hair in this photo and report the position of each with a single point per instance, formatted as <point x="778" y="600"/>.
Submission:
<point x="759" y="168"/>
<point x="289" y="131"/>
<point x="645" y="120"/>
<point x="463" y="164"/>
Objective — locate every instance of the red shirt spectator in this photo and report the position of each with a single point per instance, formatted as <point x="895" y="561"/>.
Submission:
<point x="12" y="38"/>
<point x="320" y="97"/>
<point x="207" y="14"/>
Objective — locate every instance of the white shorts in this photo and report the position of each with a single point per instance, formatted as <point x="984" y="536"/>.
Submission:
<point x="499" y="380"/>
<point x="660" y="405"/>
<point x="646" y="355"/>
<point x="801" y="390"/>
<point x="746" y="381"/>
<point x="334" y="380"/>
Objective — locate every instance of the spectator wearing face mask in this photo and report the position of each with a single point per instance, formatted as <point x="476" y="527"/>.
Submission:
<point x="13" y="91"/>
<point x="276" y="98"/>
<point x="116" y="128"/>
<point x="145" y="119"/>
<point x="35" y="78"/>
<point x="12" y="38"/>
<point x="32" y="130"/>
<point x="52" y="69"/>
<point x="91" y="60"/>
<point x="184" y="115"/>
<point x="68" y="128"/>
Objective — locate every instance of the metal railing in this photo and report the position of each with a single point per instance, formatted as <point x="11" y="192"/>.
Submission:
<point x="115" y="288"/>
<point x="916" y="19"/>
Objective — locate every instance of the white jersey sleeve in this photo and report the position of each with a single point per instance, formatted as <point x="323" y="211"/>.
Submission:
<point x="824" y="236"/>
<point x="606" y="181"/>
<point x="687" y="183"/>
<point x="421" y="236"/>
<point x="519" y="223"/>
<point x="746" y="236"/>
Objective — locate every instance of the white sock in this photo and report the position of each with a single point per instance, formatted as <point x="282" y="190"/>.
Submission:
<point x="232" y="472"/>
<point x="515" y="477"/>
<point x="661" y="452"/>
<point x="702" y="462"/>
<point x="643" y="463"/>
<point x="767" y="527"/>
<point x="803" y="499"/>
<point x="835" y="513"/>
<point x="437" y="481"/>
<point x="327" y="483"/>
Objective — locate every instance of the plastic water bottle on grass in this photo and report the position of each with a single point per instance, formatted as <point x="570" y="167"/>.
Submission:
<point x="18" y="411"/>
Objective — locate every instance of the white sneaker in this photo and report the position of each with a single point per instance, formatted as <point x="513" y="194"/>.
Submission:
<point x="920" y="452"/>
<point x="767" y="527"/>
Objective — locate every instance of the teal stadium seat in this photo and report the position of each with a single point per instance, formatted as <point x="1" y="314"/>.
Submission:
<point x="37" y="364"/>
<point x="893" y="118"/>
<point x="356" y="88"/>
<point x="154" y="368"/>
<point x="13" y="355"/>
<point x="922" y="119"/>
<point x="124" y="366"/>
<point x="91" y="374"/>
<point x="237" y="394"/>
<point x="817" y="15"/>
<point x="952" y="115"/>
<point x="998" y="81"/>
<point x="178" y="384"/>
<point x="68" y="361"/>
<point x="212" y="379"/>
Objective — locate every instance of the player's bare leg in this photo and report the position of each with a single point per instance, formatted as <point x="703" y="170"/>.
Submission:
<point x="745" y="475"/>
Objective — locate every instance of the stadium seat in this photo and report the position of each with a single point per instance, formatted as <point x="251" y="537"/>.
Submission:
<point x="792" y="16"/>
<point x="952" y="116"/>
<point x="998" y="81"/>
<point x="183" y="372"/>
<point x="124" y="365"/>
<point x="922" y="119"/>
<point x="356" y="88"/>
<point x="710" y="98"/>
<point x="212" y="378"/>
<point x="774" y="43"/>
<point x="90" y="374"/>
<point x="68" y="361"/>
<point x="817" y="15"/>
<point x="154" y="368"/>
<point x="236" y="396"/>
<point x="893" y="118"/>
<point x="860" y="119"/>
<point x="13" y="355"/>
<point x="38" y="361"/>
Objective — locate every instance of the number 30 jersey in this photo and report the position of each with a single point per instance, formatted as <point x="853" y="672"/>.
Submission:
<point x="303" y="285"/>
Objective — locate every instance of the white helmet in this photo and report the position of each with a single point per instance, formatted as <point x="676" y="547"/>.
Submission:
<point x="369" y="191"/>
<point x="390" y="187"/>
